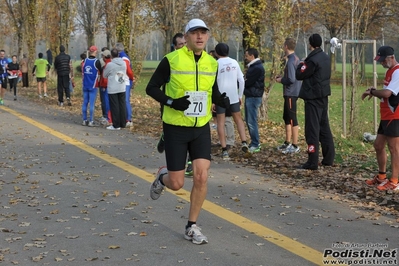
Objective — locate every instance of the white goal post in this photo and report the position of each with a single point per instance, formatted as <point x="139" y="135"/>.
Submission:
<point x="344" y="43"/>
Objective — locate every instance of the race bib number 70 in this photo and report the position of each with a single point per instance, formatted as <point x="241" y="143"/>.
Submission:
<point x="199" y="103"/>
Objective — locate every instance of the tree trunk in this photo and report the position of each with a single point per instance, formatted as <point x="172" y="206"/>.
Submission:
<point x="168" y="40"/>
<point x="355" y="74"/>
<point x="20" y="43"/>
<point x="363" y="64"/>
<point x="90" y="39"/>
<point x="263" y="110"/>
<point x="123" y="24"/>
<point x="31" y="31"/>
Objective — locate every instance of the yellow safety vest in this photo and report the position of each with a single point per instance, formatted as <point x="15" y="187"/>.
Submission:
<point x="188" y="75"/>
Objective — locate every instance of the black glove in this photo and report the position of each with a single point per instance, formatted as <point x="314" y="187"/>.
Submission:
<point x="223" y="101"/>
<point x="181" y="104"/>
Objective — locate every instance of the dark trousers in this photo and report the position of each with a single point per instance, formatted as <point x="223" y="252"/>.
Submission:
<point x="13" y="85"/>
<point x="4" y="82"/>
<point x="104" y="101"/>
<point x="317" y="129"/>
<point x="117" y="106"/>
<point x="25" y="80"/>
<point x="63" y="86"/>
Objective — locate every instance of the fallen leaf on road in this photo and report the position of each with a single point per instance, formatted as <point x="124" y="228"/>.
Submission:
<point x="91" y="259"/>
<point x="72" y="237"/>
<point x="37" y="258"/>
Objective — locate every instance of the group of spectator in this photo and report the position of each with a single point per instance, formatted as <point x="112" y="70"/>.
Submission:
<point x="114" y="82"/>
<point x="112" y="75"/>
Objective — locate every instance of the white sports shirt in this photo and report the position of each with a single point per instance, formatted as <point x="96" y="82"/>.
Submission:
<point x="229" y="73"/>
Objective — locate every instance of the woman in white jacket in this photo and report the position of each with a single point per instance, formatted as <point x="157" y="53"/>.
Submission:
<point x="115" y="72"/>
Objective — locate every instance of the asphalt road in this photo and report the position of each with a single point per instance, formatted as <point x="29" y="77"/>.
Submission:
<point x="75" y="195"/>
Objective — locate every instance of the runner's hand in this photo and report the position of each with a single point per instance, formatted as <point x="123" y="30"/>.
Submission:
<point x="181" y="104"/>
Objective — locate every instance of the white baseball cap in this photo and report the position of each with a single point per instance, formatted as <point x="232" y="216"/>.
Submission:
<point x="195" y="24"/>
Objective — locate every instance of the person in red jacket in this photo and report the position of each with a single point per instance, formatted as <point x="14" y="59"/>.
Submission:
<point x="105" y="59"/>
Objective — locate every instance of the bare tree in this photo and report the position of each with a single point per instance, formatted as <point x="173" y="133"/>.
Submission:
<point x="112" y="9"/>
<point x="65" y="13"/>
<point x="18" y="18"/>
<point x="170" y="17"/>
<point x="133" y="25"/>
<point x="279" y="26"/>
<point x="90" y="13"/>
<point x="23" y="17"/>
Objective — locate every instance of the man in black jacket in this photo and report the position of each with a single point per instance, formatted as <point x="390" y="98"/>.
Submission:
<point x="63" y="66"/>
<point x="253" y="91"/>
<point x="315" y="72"/>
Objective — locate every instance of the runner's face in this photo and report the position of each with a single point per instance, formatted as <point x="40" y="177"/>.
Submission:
<point x="180" y="42"/>
<point x="196" y="40"/>
<point x="2" y="54"/>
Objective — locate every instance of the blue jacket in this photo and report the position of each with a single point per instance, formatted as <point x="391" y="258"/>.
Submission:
<point x="255" y="80"/>
<point x="90" y="73"/>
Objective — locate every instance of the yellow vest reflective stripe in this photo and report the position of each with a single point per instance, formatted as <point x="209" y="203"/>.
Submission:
<point x="188" y="75"/>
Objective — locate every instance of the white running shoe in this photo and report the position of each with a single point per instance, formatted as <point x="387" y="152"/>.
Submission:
<point x="156" y="186"/>
<point x="283" y="146"/>
<point x="225" y="155"/>
<point x="254" y="149"/>
<point x="111" y="127"/>
<point x="194" y="234"/>
<point x="291" y="149"/>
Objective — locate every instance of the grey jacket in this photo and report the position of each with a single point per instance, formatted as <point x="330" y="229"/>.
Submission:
<point x="290" y="83"/>
<point x="115" y="72"/>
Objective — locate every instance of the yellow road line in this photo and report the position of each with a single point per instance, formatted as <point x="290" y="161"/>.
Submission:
<point x="268" y="234"/>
